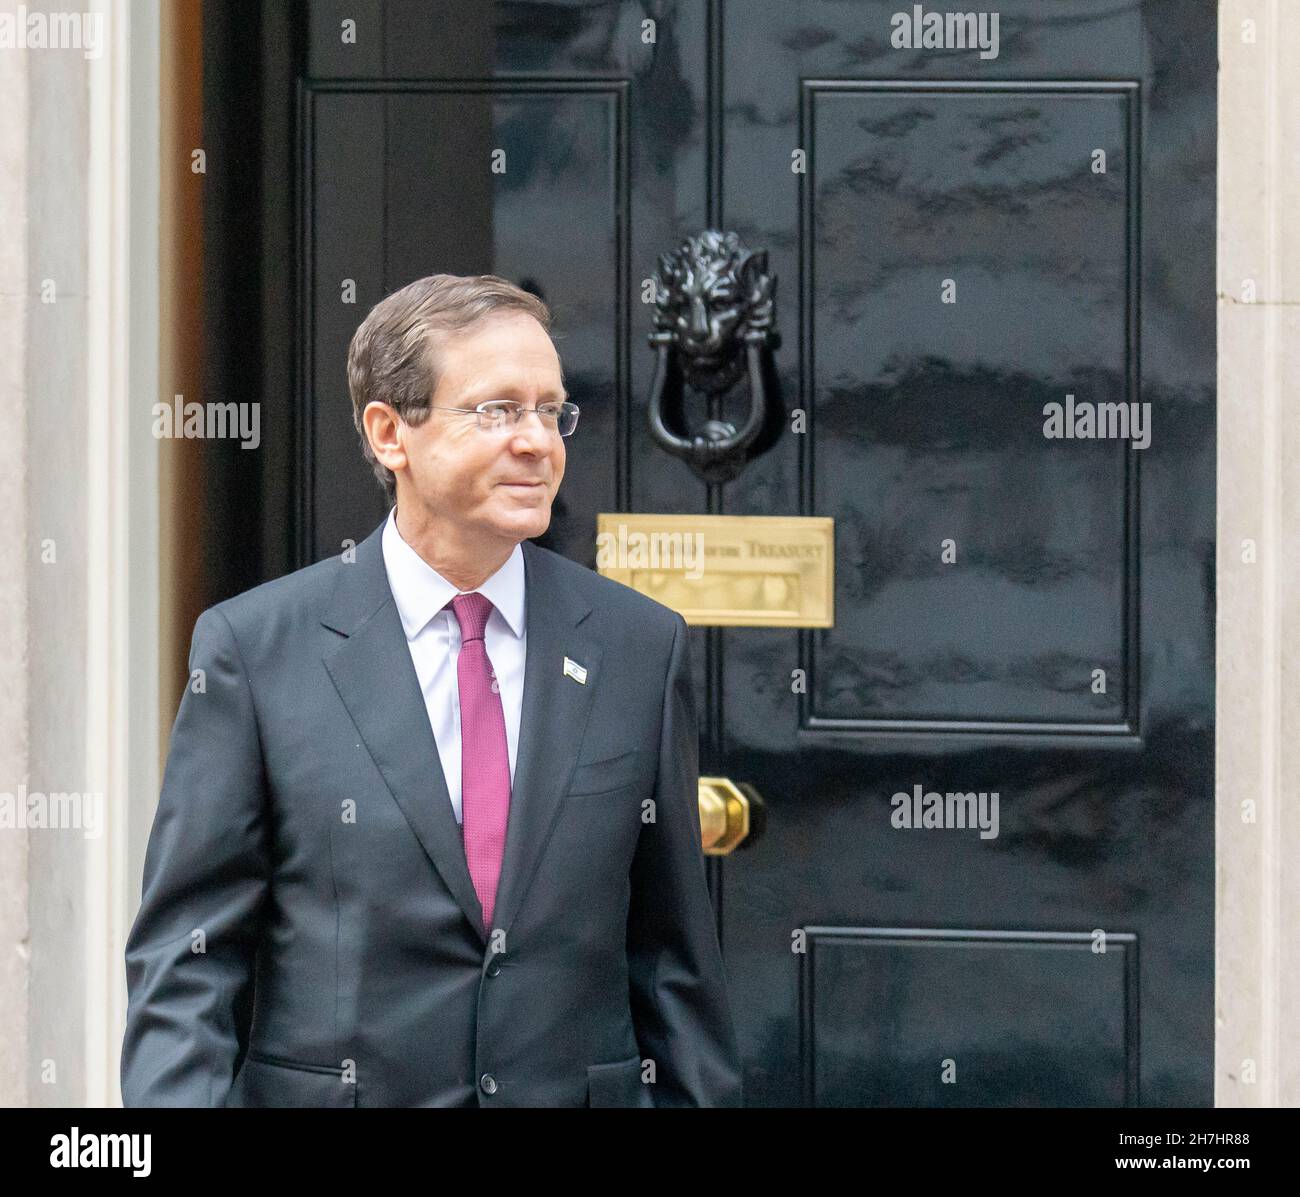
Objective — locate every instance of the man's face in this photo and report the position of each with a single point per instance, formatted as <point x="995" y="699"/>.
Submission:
<point x="496" y="483"/>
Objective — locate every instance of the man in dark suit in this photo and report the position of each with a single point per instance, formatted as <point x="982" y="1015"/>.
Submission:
<point x="428" y="832"/>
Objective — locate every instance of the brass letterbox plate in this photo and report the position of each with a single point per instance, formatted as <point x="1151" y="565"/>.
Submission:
<point x="740" y="571"/>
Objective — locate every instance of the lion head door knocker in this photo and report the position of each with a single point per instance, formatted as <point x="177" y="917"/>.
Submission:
<point x="715" y="321"/>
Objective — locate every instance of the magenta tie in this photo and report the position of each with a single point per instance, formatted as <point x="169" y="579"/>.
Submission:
<point x="484" y="756"/>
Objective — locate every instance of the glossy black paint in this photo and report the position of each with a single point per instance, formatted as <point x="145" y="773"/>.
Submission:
<point x="926" y="426"/>
<point x="869" y="965"/>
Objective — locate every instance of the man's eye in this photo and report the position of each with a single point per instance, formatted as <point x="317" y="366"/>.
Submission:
<point x="549" y="409"/>
<point x="498" y="407"/>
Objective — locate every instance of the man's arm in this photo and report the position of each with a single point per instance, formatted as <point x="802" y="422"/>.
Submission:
<point x="190" y="954"/>
<point x="680" y="1009"/>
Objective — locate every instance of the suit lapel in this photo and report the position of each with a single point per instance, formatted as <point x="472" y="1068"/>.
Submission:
<point x="375" y="677"/>
<point x="376" y="680"/>
<point x="551" y="725"/>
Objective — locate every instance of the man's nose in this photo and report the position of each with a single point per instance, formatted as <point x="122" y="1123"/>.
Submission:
<point x="533" y="430"/>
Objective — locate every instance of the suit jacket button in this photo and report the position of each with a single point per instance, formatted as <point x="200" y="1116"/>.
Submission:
<point x="493" y="969"/>
<point x="488" y="1083"/>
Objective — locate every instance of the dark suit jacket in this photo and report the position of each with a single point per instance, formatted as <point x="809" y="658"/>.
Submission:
<point x="309" y="934"/>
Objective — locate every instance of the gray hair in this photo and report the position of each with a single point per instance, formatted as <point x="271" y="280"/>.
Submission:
<point x="393" y="358"/>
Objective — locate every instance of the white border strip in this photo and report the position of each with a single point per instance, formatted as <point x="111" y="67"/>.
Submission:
<point x="122" y="509"/>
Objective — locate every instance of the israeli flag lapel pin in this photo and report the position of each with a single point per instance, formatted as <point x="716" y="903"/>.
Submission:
<point x="574" y="670"/>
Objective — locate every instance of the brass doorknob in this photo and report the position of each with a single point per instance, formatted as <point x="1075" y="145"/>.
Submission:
<point x="727" y="814"/>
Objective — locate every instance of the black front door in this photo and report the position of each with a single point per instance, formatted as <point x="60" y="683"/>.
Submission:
<point x="993" y="251"/>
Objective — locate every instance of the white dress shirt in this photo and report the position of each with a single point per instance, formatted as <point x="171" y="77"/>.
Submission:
<point x="433" y="636"/>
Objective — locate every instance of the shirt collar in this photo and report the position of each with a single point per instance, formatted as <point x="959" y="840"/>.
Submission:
<point x="420" y="591"/>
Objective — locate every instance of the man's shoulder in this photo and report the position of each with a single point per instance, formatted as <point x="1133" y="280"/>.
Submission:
<point x="300" y="595"/>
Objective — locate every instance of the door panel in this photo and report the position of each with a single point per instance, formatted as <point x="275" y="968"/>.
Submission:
<point x="878" y="995"/>
<point x="932" y="413"/>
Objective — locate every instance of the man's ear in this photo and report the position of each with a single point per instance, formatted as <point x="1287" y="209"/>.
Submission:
<point x="383" y="430"/>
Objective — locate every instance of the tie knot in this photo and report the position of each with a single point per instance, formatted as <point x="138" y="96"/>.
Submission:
<point x="472" y="611"/>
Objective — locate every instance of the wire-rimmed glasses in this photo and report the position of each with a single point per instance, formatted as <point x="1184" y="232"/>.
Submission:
<point x="497" y="415"/>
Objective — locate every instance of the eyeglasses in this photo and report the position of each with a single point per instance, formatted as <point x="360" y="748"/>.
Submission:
<point x="497" y="415"/>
